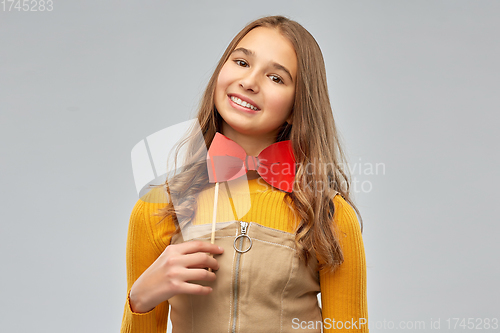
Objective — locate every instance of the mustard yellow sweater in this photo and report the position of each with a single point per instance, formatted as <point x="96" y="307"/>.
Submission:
<point x="343" y="292"/>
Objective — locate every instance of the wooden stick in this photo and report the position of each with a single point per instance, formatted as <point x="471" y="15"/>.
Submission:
<point x="212" y="240"/>
<point x="214" y="218"/>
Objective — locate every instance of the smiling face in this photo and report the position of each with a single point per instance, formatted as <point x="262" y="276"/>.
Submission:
<point x="261" y="71"/>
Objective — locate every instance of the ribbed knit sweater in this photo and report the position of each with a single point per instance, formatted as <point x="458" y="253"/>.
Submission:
<point x="343" y="292"/>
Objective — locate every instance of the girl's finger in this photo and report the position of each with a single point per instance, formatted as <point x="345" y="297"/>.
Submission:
<point x="194" y="289"/>
<point x="189" y="275"/>
<point x="198" y="274"/>
<point x="198" y="260"/>
<point x="199" y="246"/>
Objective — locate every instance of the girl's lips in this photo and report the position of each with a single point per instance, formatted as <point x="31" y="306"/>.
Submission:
<point x="244" y="98"/>
<point x="241" y="108"/>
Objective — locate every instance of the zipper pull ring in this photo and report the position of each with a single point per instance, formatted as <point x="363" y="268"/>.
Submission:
<point x="243" y="234"/>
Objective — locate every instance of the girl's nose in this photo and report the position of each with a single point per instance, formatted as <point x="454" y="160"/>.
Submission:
<point x="250" y="82"/>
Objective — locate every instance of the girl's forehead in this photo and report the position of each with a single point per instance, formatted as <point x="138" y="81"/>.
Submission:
<point x="269" y="45"/>
<point x="265" y="35"/>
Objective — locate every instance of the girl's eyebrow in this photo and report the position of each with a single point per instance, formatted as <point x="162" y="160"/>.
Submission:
<point x="250" y="53"/>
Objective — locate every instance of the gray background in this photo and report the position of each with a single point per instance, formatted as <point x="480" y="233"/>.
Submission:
<point x="414" y="85"/>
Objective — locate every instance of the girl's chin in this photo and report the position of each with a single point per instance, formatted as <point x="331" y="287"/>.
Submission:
<point x="239" y="130"/>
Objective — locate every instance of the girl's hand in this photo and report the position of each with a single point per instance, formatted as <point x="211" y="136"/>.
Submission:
<point x="169" y="274"/>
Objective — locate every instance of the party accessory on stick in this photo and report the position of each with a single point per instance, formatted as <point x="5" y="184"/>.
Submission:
<point x="227" y="160"/>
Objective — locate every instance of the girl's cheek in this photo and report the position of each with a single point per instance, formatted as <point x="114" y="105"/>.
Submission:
<point x="280" y="101"/>
<point x="224" y="77"/>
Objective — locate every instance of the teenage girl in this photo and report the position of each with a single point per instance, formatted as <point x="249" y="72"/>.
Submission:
<point x="269" y="86"/>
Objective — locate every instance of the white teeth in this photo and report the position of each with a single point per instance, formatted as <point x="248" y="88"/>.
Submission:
<point x="243" y="103"/>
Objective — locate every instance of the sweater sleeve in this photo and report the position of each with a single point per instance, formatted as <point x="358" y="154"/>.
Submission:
<point x="142" y="250"/>
<point x="343" y="292"/>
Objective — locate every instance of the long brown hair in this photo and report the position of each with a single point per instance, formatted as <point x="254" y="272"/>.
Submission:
<point x="319" y="155"/>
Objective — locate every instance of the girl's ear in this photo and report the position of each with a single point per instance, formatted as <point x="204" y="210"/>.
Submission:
<point x="289" y="119"/>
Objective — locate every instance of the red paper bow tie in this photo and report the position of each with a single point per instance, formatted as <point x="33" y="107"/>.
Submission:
<point x="227" y="160"/>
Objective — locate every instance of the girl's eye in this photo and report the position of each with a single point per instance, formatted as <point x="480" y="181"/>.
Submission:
<point x="241" y="61"/>
<point x="280" y="81"/>
<point x="275" y="78"/>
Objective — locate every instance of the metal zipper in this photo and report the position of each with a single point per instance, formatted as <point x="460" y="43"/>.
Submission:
<point x="241" y="236"/>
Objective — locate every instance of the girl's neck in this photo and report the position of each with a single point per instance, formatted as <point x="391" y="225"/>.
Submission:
<point x="252" y="145"/>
